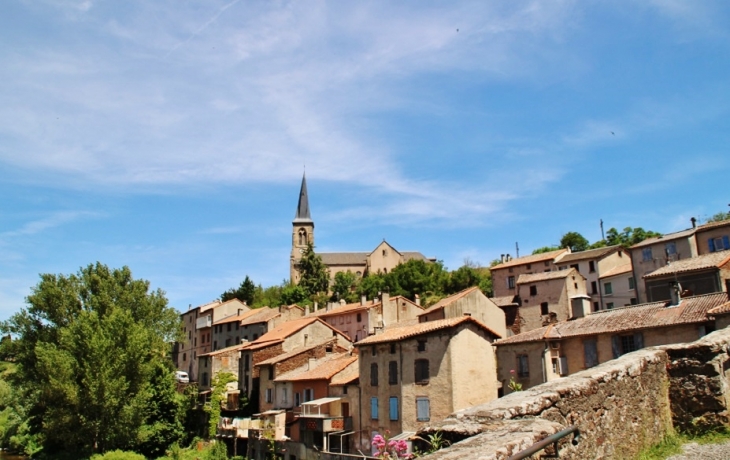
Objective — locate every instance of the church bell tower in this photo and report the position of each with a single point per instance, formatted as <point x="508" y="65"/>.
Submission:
<point x="302" y="231"/>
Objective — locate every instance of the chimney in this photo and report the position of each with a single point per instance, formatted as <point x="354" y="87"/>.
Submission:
<point x="329" y="306"/>
<point x="363" y="300"/>
<point x="311" y="363"/>
<point x="342" y="302"/>
<point x="694" y="222"/>
<point x="385" y="298"/>
<point x="675" y="291"/>
<point x="306" y="310"/>
<point x="418" y="300"/>
<point x="316" y="306"/>
<point x="240" y="310"/>
<point x="501" y="258"/>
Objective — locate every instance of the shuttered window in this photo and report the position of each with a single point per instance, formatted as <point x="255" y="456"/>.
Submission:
<point x="374" y="408"/>
<point x="423" y="409"/>
<point x="393" y="406"/>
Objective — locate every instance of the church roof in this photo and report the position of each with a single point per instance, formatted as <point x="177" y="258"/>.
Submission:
<point x="303" y="215"/>
<point x="344" y="258"/>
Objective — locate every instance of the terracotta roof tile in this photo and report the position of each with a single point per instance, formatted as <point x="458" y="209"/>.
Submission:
<point x="325" y="369"/>
<point x="620" y="270"/>
<point x="504" y="301"/>
<point x="720" y="309"/>
<point x="238" y="347"/>
<point x="347" y="308"/>
<point x="286" y="329"/>
<point x="443" y="303"/>
<point x="400" y="332"/>
<point x="287" y="355"/>
<point x="344" y="258"/>
<point x="531" y="259"/>
<point x="261" y="315"/>
<point x="586" y="255"/>
<point x="242" y="316"/>
<point x="668" y="237"/>
<point x="691" y="310"/>
<point x="703" y="262"/>
<point x="713" y="225"/>
<point x="545" y="276"/>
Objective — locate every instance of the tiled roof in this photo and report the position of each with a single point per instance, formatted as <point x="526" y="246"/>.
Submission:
<point x="400" y="332"/>
<point x="712" y="225"/>
<point x="703" y="262"/>
<point x="241" y="317"/>
<point x="586" y="255"/>
<point x="238" y="347"/>
<point x="325" y="369"/>
<point x="286" y="329"/>
<point x="208" y="306"/>
<point x="348" y="375"/>
<point x="504" y="301"/>
<point x="443" y="303"/>
<point x="531" y="259"/>
<point x="667" y="237"/>
<point x="545" y="276"/>
<point x="410" y="255"/>
<point x="620" y="270"/>
<point x="344" y="258"/>
<point x="720" y="309"/>
<point x="691" y="310"/>
<point x="261" y="315"/>
<point x="347" y="308"/>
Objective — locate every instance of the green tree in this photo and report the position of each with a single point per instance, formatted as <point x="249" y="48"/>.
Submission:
<point x="269" y="296"/>
<point x="544" y="249"/>
<point x="629" y="236"/>
<point x="371" y="285"/>
<point x="91" y="352"/>
<point x="575" y="241"/>
<point x="314" y="276"/>
<point x="344" y="286"/>
<point x="245" y="292"/>
<point x="462" y="278"/>
<point x="416" y="277"/>
<point x="217" y="396"/>
<point x="719" y="217"/>
<point x="294" y="294"/>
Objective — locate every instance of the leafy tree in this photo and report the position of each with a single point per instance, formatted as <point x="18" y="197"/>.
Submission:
<point x="575" y="241"/>
<point x="91" y="352"/>
<point x="371" y="285"/>
<point x="462" y="278"/>
<point x="544" y="249"/>
<point x="343" y="286"/>
<point x="719" y="217"/>
<point x="218" y="391"/>
<point x="416" y="277"/>
<point x="294" y="294"/>
<point x="269" y="296"/>
<point x="629" y="236"/>
<point x="244" y="293"/>
<point x="314" y="276"/>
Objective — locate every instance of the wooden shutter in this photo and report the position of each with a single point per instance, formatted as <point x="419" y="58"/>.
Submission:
<point x="711" y="244"/>
<point x="374" y="408"/>
<point x="616" y="346"/>
<point x="590" y="350"/>
<point x="393" y="408"/>
<point x="423" y="409"/>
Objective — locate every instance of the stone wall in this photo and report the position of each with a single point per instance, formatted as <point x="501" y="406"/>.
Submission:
<point x="620" y="407"/>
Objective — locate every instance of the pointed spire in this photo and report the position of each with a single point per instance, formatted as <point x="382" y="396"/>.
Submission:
<point x="303" y="206"/>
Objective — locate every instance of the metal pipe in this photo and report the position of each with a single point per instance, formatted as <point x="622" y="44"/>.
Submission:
<point x="552" y="439"/>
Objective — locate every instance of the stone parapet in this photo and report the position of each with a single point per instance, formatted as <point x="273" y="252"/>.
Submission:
<point x="620" y="407"/>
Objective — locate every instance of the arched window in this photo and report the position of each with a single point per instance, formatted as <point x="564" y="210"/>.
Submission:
<point x="302" y="237"/>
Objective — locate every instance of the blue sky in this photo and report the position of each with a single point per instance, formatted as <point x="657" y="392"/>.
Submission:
<point x="171" y="136"/>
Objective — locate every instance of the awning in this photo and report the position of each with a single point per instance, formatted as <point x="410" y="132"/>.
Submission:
<point x="269" y="412"/>
<point x="320" y="401"/>
<point x="406" y="435"/>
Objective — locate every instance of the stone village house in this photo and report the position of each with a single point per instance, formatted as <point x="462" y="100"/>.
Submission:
<point x="561" y="349"/>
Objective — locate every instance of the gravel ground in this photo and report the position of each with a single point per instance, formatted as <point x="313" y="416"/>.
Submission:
<point x="694" y="451"/>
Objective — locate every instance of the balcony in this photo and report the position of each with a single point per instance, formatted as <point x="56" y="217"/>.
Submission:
<point x="324" y="415"/>
<point x="203" y="322"/>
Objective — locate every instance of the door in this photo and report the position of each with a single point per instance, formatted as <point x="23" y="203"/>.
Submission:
<point x="345" y="409"/>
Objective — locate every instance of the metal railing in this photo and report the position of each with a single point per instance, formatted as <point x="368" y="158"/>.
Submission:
<point x="552" y="439"/>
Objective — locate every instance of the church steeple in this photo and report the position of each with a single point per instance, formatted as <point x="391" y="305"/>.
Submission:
<point x="302" y="215"/>
<point x="302" y="231"/>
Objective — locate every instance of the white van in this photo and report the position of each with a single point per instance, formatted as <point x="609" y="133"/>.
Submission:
<point x="182" y="377"/>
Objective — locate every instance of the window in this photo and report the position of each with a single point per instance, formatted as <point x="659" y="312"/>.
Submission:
<point x="670" y="248"/>
<point x="509" y="269"/>
<point x="196" y="341"/>
<point x="204" y="379"/>
<point x="547" y="263"/>
<point x="215" y="345"/>
<point x="238" y="326"/>
<point x="646" y="255"/>
<point x="622" y="344"/>
<point x="190" y="335"/>
<point x="297" y="401"/>
<point x="523" y="366"/>
<point x="185" y="356"/>
<point x="591" y="266"/>
<point x="511" y="282"/>
<point x="544" y="308"/>
<point x="633" y="301"/>
<point x="393" y="408"/>
<point x="245" y="363"/>
<point x="228" y="342"/>
<point x="533" y="290"/>
<point x="590" y="352"/>
<point x="359" y="317"/>
<point x="308" y="394"/>
<point x="607" y="288"/>
<point x="631" y="282"/>
<point x="421" y="345"/>
<point x="229" y="327"/>
<point x="268" y="395"/>
<point x="423" y="409"/>
<point x="392" y="348"/>
<point x="374" y="351"/>
<point x="374" y="408"/>
<point x="284" y="395"/>
<point x="719" y="244"/>
<point x="393" y="373"/>
<point x="374" y="374"/>
<point x="609" y="305"/>
<point x="255" y="336"/>
<point x="529" y="266"/>
<point x="422" y="372"/>
<point x="271" y="372"/>
<point x="595" y="306"/>
<point x="576" y="266"/>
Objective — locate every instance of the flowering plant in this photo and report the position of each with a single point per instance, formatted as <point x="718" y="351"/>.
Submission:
<point x="389" y="448"/>
<point x="513" y="384"/>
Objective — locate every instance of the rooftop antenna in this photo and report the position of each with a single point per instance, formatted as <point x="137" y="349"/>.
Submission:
<point x="517" y="250"/>
<point x="603" y="235"/>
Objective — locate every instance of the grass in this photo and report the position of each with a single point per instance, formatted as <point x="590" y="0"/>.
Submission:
<point x="672" y="443"/>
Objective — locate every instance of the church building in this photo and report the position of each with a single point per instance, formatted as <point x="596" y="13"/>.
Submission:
<point x="381" y="260"/>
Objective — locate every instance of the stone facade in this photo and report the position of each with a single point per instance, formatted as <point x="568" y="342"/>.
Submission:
<point x="549" y="297"/>
<point x="504" y="275"/>
<point x="620" y="407"/>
